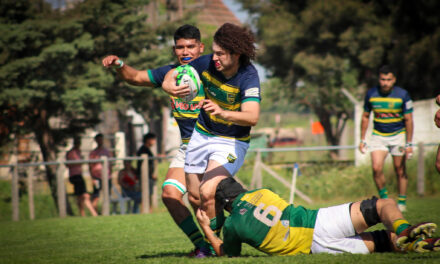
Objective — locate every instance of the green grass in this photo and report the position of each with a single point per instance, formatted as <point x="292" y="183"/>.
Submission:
<point x="154" y="238"/>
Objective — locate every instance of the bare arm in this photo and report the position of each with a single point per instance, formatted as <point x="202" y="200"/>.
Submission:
<point x="247" y="116"/>
<point x="217" y="243"/>
<point x="409" y="126"/>
<point x="127" y="73"/>
<point x="365" y="119"/>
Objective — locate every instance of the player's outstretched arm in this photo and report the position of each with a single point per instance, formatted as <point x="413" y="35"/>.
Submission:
<point x="170" y="87"/>
<point x="217" y="243"/>
<point x="127" y="73"/>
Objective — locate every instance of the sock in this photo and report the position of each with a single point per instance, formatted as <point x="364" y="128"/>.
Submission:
<point x="191" y="230"/>
<point x="399" y="225"/>
<point x="217" y="223"/>
<point x="383" y="193"/>
<point x="401" y="199"/>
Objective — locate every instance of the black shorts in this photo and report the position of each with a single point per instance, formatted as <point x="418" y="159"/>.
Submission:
<point x="79" y="185"/>
<point x="97" y="186"/>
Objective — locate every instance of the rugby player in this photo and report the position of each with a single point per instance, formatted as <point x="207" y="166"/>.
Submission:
<point x="265" y="221"/>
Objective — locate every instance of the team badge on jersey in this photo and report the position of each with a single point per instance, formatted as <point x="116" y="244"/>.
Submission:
<point x="231" y="158"/>
<point x="231" y="97"/>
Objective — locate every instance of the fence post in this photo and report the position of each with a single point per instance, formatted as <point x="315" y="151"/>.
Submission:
<point x="105" y="186"/>
<point x="293" y="184"/>
<point x="257" y="170"/>
<point x="30" y="178"/>
<point x="145" y="185"/>
<point x="421" y="169"/>
<point x="61" y="190"/>
<point x="14" y="194"/>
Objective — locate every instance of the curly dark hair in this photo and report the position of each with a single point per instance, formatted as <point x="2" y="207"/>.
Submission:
<point x="238" y="40"/>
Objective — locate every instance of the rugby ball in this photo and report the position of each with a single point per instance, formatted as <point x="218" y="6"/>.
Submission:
<point x="186" y="74"/>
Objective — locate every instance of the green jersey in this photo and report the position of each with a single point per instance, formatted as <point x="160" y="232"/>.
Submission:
<point x="265" y="221"/>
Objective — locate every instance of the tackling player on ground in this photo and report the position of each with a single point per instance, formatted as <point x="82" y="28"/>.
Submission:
<point x="265" y="221"/>
<point x="187" y="47"/>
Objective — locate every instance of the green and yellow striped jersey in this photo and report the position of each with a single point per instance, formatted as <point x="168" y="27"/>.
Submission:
<point x="265" y="221"/>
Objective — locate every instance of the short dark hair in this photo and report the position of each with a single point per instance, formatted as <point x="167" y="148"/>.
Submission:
<point x="385" y="69"/>
<point x="238" y="40"/>
<point x="187" y="32"/>
<point x="99" y="135"/>
<point x="149" y="136"/>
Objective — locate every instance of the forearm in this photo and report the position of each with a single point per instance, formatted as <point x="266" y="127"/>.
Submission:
<point x="241" y="118"/>
<point x="133" y="76"/>
<point x="216" y="243"/>
<point x="364" y="126"/>
<point x="409" y="126"/>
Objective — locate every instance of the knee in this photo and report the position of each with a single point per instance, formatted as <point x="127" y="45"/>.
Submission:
<point x="377" y="169"/>
<point x="207" y="196"/>
<point x="381" y="203"/>
<point x="194" y="201"/>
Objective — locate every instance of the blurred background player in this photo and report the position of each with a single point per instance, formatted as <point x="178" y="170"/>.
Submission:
<point x="265" y="221"/>
<point x="96" y="168"/>
<point x="76" y="178"/>
<point x="149" y="141"/>
<point x="221" y="137"/>
<point x="129" y="182"/>
<point x="393" y="131"/>
<point x="187" y="47"/>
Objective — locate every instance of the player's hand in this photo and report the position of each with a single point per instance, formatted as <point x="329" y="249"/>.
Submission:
<point x="203" y="218"/>
<point x="110" y="61"/>
<point x="363" y="147"/>
<point x="211" y="107"/>
<point x="170" y="87"/>
<point x="408" y="152"/>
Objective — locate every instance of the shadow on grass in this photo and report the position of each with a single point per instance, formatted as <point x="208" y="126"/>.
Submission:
<point x="181" y="254"/>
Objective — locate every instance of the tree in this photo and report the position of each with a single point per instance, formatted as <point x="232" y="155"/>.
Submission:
<point x="318" y="47"/>
<point x="53" y="84"/>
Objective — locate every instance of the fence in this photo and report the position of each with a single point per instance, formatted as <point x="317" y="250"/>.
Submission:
<point x="256" y="181"/>
<point x="61" y="190"/>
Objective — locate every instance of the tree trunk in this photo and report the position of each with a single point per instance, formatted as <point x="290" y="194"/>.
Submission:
<point x="47" y="145"/>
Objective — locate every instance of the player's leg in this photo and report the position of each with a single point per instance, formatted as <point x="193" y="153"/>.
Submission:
<point x="173" y="190"/>
<point x="377" y="163"/>
<point x="370" y="212"/>
<point x="402" y="180"/>
<point x="88" y="204"/>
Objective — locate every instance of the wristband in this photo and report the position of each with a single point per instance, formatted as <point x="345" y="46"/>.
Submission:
<point x="121" y="64"/>
<point x="408" y="145"/>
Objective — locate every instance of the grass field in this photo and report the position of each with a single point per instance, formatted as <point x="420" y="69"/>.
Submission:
<point x="154" y="238"/>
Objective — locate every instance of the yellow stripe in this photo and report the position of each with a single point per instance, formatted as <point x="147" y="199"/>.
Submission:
<point x="185" y="115"/>
<point x="281" y="240"/>
<point x="219" y="120"/>
<point x="241" y="139"/>
<point x="391" y="120"/>
<point x="223" y="105"/>
<point x="385" y="100"/>
<point x="399" y="222"/>
<point x="219" y="84"/>
<point x="384" y="110"/>
<point x="388" y="134"/>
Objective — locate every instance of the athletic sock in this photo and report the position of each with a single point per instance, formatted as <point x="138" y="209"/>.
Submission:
<point x="191" y="230"/>
<point x="399" y="225"/>
<point x="401" y="199"/>
<point x="383" y="193"/>
<point x="217" y="222"/>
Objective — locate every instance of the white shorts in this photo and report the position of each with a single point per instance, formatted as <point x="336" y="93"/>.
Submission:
<point x="229" y="153"/>
<point x="334" y="232"/>
<point x="395" y="145"/>
<point x="178" y="160"/>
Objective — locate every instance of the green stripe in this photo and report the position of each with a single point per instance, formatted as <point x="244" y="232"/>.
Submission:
<point x="253" y="99"/>
<point x="173" y="184"/>
<point x="152" y="78"/>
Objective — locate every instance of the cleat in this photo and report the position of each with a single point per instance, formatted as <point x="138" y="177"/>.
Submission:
<point x="427" y="245"/>
<point x="412" y="233"/>
<point x="402" y="207"/>
<point x="201" y="253"/>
